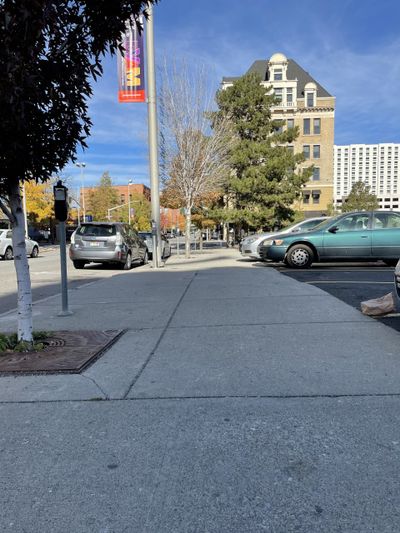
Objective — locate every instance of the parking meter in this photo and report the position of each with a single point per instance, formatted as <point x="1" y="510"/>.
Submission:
<point x="60" y="201"/>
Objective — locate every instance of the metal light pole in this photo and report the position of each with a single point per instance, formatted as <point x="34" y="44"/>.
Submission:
<point x="82" y="166"/>
<point x="153" y="142"/>
<point x="129" y="203"/>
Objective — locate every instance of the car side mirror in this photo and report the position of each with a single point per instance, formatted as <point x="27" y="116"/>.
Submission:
<point x="333" y="229"/>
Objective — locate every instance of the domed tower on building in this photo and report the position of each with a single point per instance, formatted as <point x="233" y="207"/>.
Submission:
<point x="302" y="102"/>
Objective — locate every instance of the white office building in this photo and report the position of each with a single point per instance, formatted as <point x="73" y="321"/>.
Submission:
<point x="375" y="164"/>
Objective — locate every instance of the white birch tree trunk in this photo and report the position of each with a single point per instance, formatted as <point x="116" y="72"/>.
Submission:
<point x="25" y="326"/>
<point x="187" y="231"/>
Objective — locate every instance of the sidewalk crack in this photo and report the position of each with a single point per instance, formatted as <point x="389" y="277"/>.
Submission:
<point x="150" y="356"/>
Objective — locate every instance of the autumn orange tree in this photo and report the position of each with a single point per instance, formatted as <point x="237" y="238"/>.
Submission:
<point x="39" y="202"/>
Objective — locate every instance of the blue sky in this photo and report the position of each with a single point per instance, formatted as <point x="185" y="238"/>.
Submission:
<point x="352" y="47"/>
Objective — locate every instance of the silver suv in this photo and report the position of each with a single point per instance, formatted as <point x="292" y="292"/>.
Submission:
<point x="107" y="242"/>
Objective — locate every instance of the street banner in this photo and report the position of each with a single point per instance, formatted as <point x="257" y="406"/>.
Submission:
<point x="131" y="86"/>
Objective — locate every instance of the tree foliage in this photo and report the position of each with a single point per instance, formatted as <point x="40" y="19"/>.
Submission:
<point x="265" y="178"/>
<point x="39" y="202"/>
<point x="360" y="198"/>
<point x="140" y="213"/>
<point x="49" y="53"/>
<point x="102" y="198"/>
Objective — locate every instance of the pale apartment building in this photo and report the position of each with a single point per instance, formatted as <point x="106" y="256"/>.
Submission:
<point x="303" y="102"/>
<point x="377" y="165"/>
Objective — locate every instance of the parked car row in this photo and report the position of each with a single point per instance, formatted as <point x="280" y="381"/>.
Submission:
<point x="250" y="246"/>
<point x="356" y="236"/>
<point x="112" y="242"/>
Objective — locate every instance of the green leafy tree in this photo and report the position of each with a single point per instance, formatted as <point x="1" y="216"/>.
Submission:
<point x="265" y="175"/>
<point x="140" y="213"/>
<point x="102" y="198"/>
<point x="360" y="198"/>
<point x="50" y="52"/>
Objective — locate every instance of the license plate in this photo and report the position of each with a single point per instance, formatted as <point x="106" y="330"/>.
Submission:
<point x="95" y="244"/>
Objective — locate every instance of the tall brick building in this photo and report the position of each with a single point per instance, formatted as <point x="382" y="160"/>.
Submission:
<point x="303" y="102"/>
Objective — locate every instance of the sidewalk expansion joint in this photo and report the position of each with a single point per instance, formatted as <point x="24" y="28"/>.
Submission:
<point x="211" y="397"/>
<point x="150" y="356"/>
<point x="246" y="325"/>
<point x="106" y="396"/>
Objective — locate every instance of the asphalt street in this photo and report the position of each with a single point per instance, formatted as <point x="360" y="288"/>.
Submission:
<point x="45" y="277"/>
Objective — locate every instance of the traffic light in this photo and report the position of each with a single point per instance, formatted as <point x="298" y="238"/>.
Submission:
<point x="60" y="201"/>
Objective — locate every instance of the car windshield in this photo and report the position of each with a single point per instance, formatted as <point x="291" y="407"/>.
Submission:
<point x="96" y="230"/>
<point x="326" y="223"/>
<point x="145" y="234"/>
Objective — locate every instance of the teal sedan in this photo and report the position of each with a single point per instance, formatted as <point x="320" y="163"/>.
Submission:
<point x="356" y="236"/>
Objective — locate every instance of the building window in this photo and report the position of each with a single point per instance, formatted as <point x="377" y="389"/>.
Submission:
<point x="306" y="126"/>
<point x="315" y="196"/>
<point x="278" y="94"/>
<point x="310" y="98"/>
<point x="289" y="96"/>
<point x="290" y="147"/>
<point x="278" y="74"/>
<point x="290" y="123"/>
<point x="316" y="174"/>
<point x="316" y="151"/>
<point x="306" y="151"/>
<point x="317" y="126"/>
<point x="306" y="197"/>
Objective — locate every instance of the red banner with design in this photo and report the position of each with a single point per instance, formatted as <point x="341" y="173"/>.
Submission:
<point x="131" y="86"/>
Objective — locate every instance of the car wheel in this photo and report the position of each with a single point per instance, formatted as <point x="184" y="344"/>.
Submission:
<point x="79" y="264"/>
<point x="145" y="258"/>
<point x="128" y="262"/>
<point x="8" y="254"/>
<point x="390" y="262"/>
<point x="35" y="252"/>
<point x="300" y="256"/>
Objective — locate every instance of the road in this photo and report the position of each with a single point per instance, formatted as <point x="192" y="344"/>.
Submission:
<point x="45" y="277"/>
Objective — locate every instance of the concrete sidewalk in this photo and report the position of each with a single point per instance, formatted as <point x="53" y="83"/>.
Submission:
<point x="237" y="400"/>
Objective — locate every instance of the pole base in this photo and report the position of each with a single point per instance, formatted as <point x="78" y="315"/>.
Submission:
<point x="65" y="313"/>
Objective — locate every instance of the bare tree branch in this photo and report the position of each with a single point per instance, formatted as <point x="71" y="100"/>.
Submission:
<point x="194" y="158"/>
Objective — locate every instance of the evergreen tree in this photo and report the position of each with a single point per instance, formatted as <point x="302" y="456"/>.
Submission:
<point x="360" y="198"/>
<point x="265" y="178"/>
<point x="102" y="198"/>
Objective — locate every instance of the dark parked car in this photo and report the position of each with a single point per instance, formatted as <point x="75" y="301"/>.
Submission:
<point x="357" y="236"/>
<point x="107" y="242"/>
